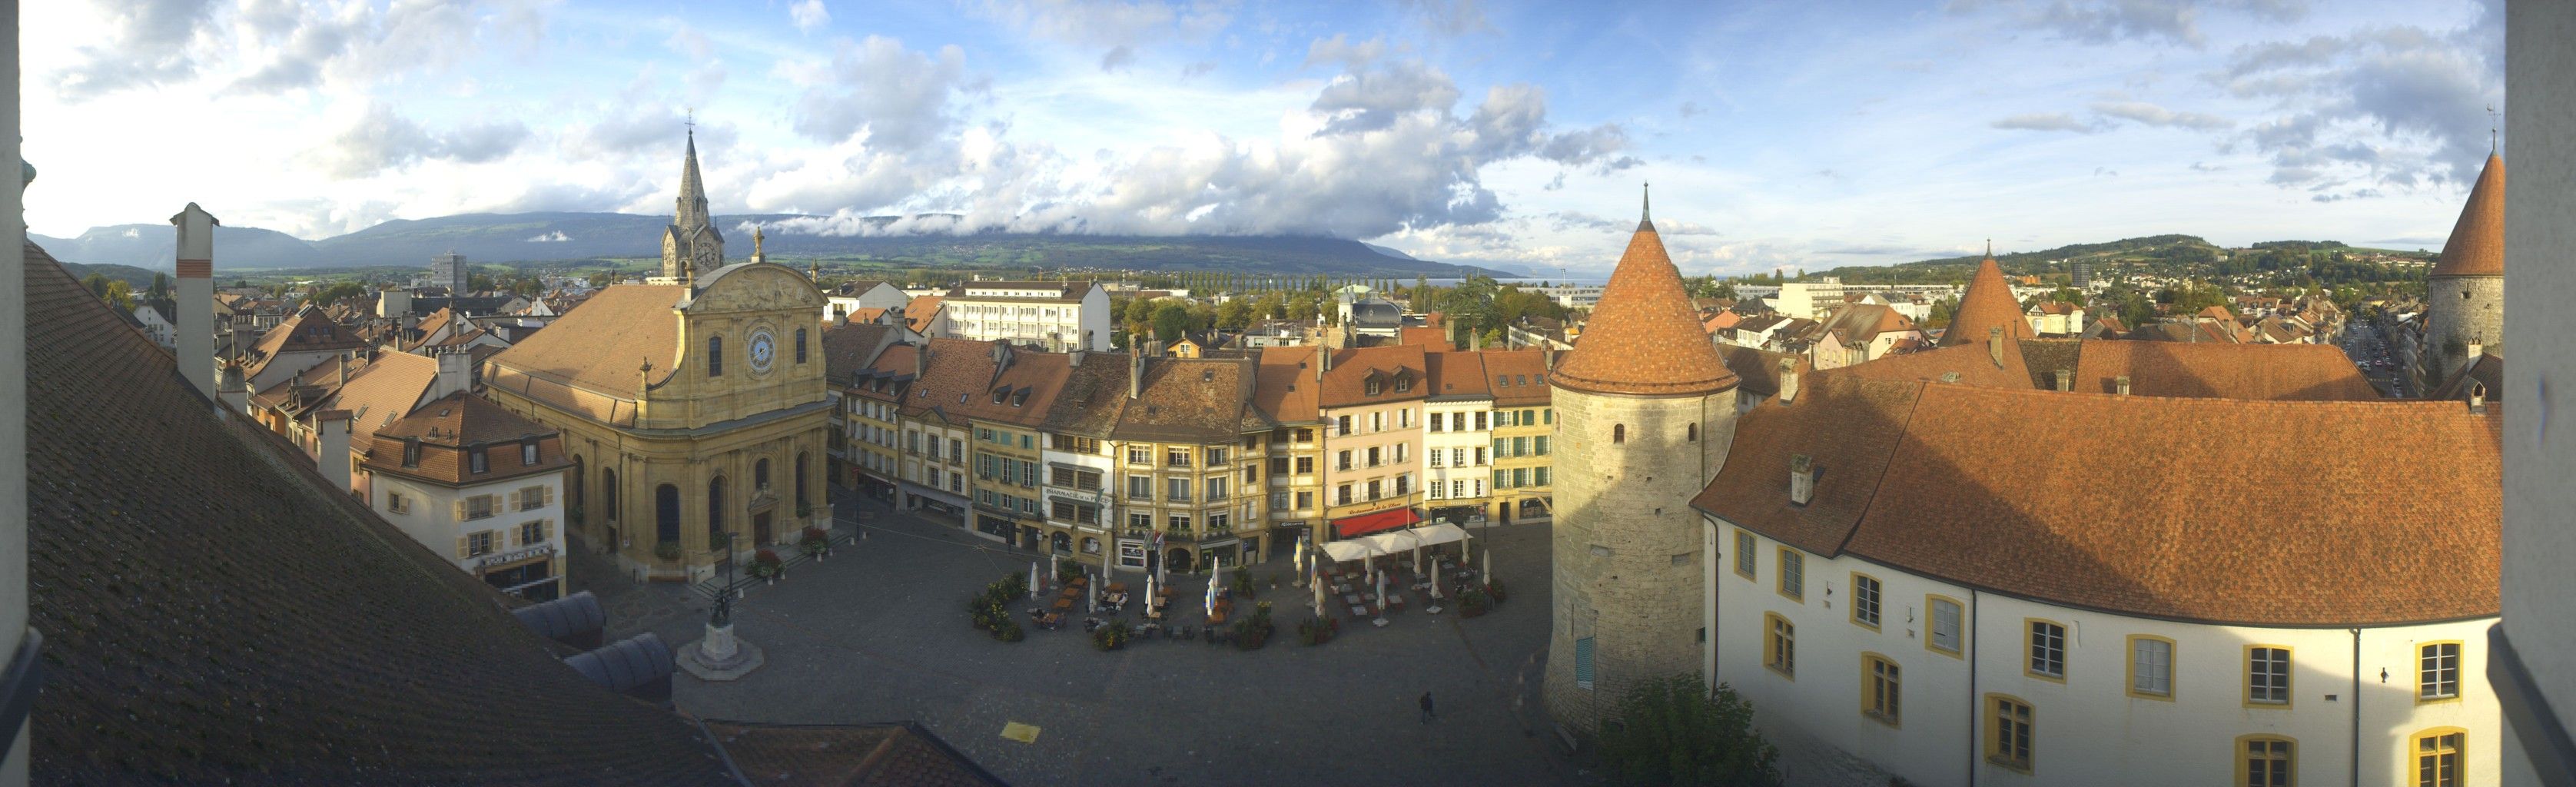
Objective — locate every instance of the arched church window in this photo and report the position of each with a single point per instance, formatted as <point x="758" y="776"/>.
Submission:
<point x="1619" y="433"/>
<point x="1693" y="435"/>
<point x="715" y="356"/>
<point x="800" y="345"/>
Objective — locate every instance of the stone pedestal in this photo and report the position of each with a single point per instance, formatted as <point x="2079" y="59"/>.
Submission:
<point x="720" y="656"/>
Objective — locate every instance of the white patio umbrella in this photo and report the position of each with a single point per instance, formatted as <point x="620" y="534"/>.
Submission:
<point x="1053" y="570"/>
<point x="1091" y="592"/>
<point x="1033" y="579"/>
<point x="1318" y="582"/>
<point x="1435" y="579"/>
<point x="1211" y="598"/>
<point x="1149" y="592"/>
<point x="1417" y="558"/>
<point x="1488" y="573"/>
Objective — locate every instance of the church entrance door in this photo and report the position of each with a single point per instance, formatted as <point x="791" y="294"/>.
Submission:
<point x="760" y="528"/>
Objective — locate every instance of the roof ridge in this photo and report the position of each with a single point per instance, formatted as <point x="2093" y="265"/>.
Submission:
<point x="1904" y="431"/>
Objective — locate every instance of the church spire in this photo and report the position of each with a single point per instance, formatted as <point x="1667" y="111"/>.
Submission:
<point x="1646" y="211"/>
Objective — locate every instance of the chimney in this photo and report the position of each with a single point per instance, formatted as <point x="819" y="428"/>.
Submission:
<point x="1802" y="479"/>
<point x="344" y="370"/>
<point x="331" y="447"/>
<point x="195" y="294"/>
<point x="2121" y="384"/>
<point x="1087" y="338"/>
<point x="2477" y="398"/>
<point x="1325" y="357"/>
<point x="1475" y="340"/>
<point x="1995" y="345"/>
<point x="1788" y="380"/>
<point x="1001" y="355"/>
<point x="2065" y="380"/>
<point x="1135" y="375"/>
<point x="230" y="389"/>
<point x="455" y="373"/>
<point x="1547" y="358"/>
<point x="921" y="360"/>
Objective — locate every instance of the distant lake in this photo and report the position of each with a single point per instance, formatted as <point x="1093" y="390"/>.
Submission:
<point x="1592" y="279"/>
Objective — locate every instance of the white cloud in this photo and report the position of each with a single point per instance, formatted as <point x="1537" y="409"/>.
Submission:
<point x="556" y="236"/>
<point x="809" y="15"/>
<point x="900" y="97"/>
<point x="2153" y="115"/>
<point x="2045" y="121"/>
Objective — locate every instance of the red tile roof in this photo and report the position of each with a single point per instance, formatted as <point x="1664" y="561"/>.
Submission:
<point x="1510" y="368"/>
<point x="1286" y="386"/>
<point x="1644" y="338"/>
<point x="2476" y="247"/>
<point x="1988" y="304"/>
<point x="1432" y="337"/>
<point x="1972" y="485"/>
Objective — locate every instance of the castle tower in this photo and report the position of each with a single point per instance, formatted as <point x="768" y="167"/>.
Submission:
<point x="691" y="245"/>
<point x="1644" y="411"/>
<point x="1988" y="304"/>
<point x="2464" y="295"/>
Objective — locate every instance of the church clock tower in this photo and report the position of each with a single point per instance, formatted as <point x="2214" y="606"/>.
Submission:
<point x="692" y="246"/>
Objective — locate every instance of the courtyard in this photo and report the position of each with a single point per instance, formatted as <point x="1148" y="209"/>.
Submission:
<point x="879" y="632"/>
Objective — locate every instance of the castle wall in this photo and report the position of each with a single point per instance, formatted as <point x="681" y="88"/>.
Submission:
<point x="1629" y="558"/>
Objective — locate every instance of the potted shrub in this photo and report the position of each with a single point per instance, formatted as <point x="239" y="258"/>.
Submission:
<point x="766" y="565"/>
<point x="1495" y="588"/>
<point x="1008" y="630"/>
<point x="1014" y="585"/>
<point x="1254" y="632"/>
<point x="1474" y="602"/>
<point x="1068" y="571"/>
<point x="1243" y="585"/>
<point x="1112" y="635"/>
<point x="815" y="543"/>
<point x="667" y="550"/>
<point x="804" y="510"/>
<point x="1317" y="631"/>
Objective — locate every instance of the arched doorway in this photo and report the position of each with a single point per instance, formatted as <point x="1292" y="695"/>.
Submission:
<point x="716" y="513"/>
<point x="1533" y="508"/>
<point x="1177" y="560"/>
<point x="666" y="516"/>
<point x="1062" y="543"/>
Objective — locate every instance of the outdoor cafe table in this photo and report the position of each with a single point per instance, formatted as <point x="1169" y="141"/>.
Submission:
<point x="1353" y="599"/>
<point x="1063" y="604"/>
<point x="1117" y="587"/>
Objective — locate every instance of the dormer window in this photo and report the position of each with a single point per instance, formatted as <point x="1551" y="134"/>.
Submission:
<point x="1403" y="383"/>
<point x="1373" y="385"/>
<point x="411" y="452"/>
<point x="999" y="393"/>
<point x="528" y="453"/>
<point x="478" y="460"/>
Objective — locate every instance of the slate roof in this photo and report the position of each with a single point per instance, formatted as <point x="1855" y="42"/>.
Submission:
<point x="215" y="614"/>
<point x="2487" y="370"/>
<point x="2476" y="246"/>
<point x="1944" y="481"/>
<point x="1644" y="338"/>
<point x="601" y="345"/>
<point x="1987" y="304"/>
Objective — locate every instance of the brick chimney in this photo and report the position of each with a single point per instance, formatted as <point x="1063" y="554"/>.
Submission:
<point x="2121" y="384"/>
<point x="1788" y="380"/>
<point x="195" y="293"/>
<point x="2065" y="380"/>
<point x="1995" y="345"/>
<point x="331" y="447"/>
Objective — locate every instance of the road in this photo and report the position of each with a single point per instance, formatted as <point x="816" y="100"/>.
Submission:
<point x="2369" y="348"/>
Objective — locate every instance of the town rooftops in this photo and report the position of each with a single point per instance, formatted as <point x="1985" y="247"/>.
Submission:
<point x="1286" y="388"/>
<point x="1644" y="338"/>
<point x="1398" y="370"/>
<point x="309" y="330"/>
<point x="601" y="346"/>
<point x="448" y="428"/>
<point x="1973" y="486"/>
<point x="1457" y="375"/>
<point x="2476" y="246"/>
<point x="1191" y="400"/>
<point x="1057" y="291"/>
<point x="2208" y="370"/>
<point x="920" y="312"/>
<point x="1519" y="377"/>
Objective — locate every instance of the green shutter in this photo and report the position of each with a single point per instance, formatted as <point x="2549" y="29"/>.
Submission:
<point x="1583" y="663"/>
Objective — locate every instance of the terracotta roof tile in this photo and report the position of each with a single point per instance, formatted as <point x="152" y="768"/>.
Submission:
<point x="452" y="425"/>
<point x="1286" y="387"/>
<point x="920" y="312"/>
<point x="1458" y="375"/>
<point x="1644" y="338"/>
<point x="1432" y="337"/>
<point x="1189" y="399"/>
<point x="601" y="345"/>
<point x="1346" y="384"/>
<point x="1758" y="370"/>
<point x="1519" y="377"/>
<point x="1987" y="304"/>
<point x="1971" y="485"/>
<point x="2476" y="247"/>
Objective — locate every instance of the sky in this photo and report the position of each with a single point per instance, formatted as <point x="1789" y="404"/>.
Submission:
<point x="1481" y="131"/>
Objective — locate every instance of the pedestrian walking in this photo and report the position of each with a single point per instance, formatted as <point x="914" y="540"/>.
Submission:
<point x="1427" y="715"/>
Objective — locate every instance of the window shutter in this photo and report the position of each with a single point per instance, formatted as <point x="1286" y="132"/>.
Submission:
<point x="460" y="509"/>
<point x="549" y="496"/>
<point x="513" y="504"/>
<point x="1583" y="663"/>
<point x="460" y="548"/>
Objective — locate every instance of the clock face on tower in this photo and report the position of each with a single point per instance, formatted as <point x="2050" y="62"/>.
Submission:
<point x="763" y="349"/>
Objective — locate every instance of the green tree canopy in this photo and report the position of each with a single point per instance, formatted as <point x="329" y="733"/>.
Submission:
<point x="1671" y="731"/>
<point x="1171" y="322"/>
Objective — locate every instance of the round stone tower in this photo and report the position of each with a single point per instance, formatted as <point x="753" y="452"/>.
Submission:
<point x="2464" y="295"/>
<point x="1644" y="410"/>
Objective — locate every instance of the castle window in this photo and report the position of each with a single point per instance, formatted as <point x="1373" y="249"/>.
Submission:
<point x="2047" y="644"/>
<point x="2437" y="756"/>
<point x="2267" y="675"/>
<point x="2438" y="676"/>
<point x="1881" y="683"/>
<point x="2151" y="661"/>
<point x="1793" y="574"/>
<point x="2008" y="730"/>
<point x="1780" y="645"/>
<point x="1619" y="433"/>
<point x="1691" y="433"/>
<point x="2268" y="761"/>
<point x="1865" y="600"/>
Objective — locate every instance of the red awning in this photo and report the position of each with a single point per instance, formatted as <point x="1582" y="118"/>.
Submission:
<point x="1365" y="524"/>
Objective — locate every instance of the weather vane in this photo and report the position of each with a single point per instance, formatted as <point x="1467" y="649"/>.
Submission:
<point x="691" y="118"/>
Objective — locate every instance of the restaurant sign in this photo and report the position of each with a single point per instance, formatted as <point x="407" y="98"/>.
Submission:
<point x="506" y="558"/>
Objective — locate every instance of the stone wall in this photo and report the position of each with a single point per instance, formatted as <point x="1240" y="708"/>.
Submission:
<point x="2464" y="320"/>
<point x="1627" y="545"/>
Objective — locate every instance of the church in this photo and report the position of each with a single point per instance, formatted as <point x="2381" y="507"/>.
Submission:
<point x="692" y="408"/>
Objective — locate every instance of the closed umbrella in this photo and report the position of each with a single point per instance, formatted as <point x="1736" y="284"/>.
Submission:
<point x="1091" y="591"/>
<point x="1033" y="579"/>
<point x="1435" y="579"/>
<point x="1417" y="558"/>
<point x="1318" y="582"/>
<point x="1211" y="596"/>
<point x="1149" y="593"/>
<point x="1381" y="599"/>
<point x="1489" y="566"/>
<point x="1053" y="570"/>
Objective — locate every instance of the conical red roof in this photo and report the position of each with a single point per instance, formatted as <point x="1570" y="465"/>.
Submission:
<point x="2476" y="247"/>
<point x="1644" y="338"/>
<point x="1988" y="304"/>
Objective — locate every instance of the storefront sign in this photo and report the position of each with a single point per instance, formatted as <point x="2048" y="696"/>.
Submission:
<point x="514" y="556"/>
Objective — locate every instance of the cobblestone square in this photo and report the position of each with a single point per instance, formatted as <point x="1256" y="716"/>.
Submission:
<point x="878" y="632"/>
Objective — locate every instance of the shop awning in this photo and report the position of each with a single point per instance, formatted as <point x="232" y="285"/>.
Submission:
<point x="1389" y="519"/>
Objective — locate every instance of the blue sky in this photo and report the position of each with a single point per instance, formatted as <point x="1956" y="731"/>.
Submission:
<point x="1812" y="134"/>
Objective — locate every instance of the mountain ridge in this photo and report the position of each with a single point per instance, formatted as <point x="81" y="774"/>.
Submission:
<point x="576" y="236"/>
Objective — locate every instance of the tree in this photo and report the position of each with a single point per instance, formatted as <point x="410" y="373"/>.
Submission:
<point x="119" y="294"/>
<point x="602" y="279"/>
<point x="1171" y="322"/>
<point x="1672" y="731"/>
<point x="478" y="283"/>
<point x="97" y="284"/>
<point x="1942" y="311"/>
<point x="336" y="291"/>
<point x="1234" y="313"/>
<point x="160" y="286"/>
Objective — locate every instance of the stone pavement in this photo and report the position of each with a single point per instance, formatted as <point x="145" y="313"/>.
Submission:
<point x="879" y="632"/>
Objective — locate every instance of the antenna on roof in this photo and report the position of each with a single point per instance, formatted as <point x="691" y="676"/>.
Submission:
<point x="2491" y="129"/>
<point x="1647" y="211"/>
<point x="1990" y="247"/>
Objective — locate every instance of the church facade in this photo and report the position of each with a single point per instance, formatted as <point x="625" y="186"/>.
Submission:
<point x="694" y="413"/>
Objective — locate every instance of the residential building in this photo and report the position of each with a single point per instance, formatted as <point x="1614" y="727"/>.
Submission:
<point x="466" y="478"/>
<point x="866" y="432"/>
<point x="981" y="406"/>
<point x="1457" y="437"/>
<point x="1286" y="393"/>
<point x="1190" y="450"/>
<point x="1887" y="578"/>
<point x="1081" y="464"/>
<point x="853" y="298"/>
<point x="1370" y="401"/>
<point x="301" y="341"/>
<point x="451" y="271"/>
<point x="1524" y="428"/>
<point x="1809" y="300"/>
<point x="156" y="322"/>
<point x="333" y="410"/>
<point x="1049" y="315"/>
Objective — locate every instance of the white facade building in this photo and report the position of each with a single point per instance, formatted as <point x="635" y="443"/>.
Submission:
<point x="478" y="484"/>
<point x="863" y="295"/>
<point x="1809" y="299"/>
<point x="1895" y="574"/>
<point x="157" y="325"/>
<point x="1457" y="438"/>
<point x="1052" y="315"/>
